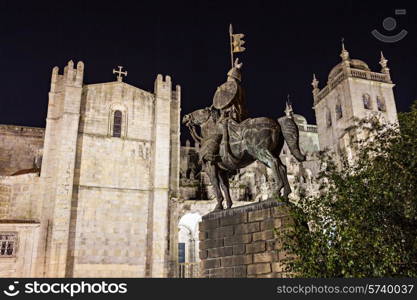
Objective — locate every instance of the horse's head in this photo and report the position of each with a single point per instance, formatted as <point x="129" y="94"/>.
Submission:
<point x="187" y="119"/>
<point x="197" y="117"/>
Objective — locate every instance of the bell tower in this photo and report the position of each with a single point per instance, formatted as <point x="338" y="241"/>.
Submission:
<point x="353" y="92"/>
<point x="58" y="165"/>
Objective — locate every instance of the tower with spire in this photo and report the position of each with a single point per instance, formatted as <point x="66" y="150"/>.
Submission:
<point x="353" y="91"/>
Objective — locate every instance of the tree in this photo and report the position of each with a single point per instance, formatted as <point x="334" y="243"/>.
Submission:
<point x="363" y="222"/>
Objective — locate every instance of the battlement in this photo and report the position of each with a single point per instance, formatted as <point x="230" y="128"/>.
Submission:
<point x="176" y="94"/>
<point x="160" y="83"/>
<point x="163" y="88"/>
<point x="71" y="76"/>
<point x="16" y="130"/>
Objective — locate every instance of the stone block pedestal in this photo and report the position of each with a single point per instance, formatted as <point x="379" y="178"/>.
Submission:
<point x="241" y="242"/>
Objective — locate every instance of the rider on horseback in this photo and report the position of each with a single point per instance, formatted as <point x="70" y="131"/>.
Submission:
<point x="228" y="104"/>
<point x="229" y="141"/>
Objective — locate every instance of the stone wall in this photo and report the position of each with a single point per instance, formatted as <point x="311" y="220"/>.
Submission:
<point x="19" y="145"/>
<point x="20" y="197"/>
<point x="242" y="243"/>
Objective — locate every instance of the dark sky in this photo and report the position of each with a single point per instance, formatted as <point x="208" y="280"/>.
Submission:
<point x="286" y="42"/>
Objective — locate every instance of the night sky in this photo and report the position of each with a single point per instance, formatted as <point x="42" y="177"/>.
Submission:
<point x="286" y="42"/>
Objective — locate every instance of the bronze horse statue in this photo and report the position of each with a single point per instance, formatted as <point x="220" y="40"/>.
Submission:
<point x="243" y="143"/>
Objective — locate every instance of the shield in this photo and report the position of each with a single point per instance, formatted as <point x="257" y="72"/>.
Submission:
<point x="225" y="94"/>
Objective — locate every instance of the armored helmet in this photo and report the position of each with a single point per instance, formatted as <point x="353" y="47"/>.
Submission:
<point x="235" y="71"/>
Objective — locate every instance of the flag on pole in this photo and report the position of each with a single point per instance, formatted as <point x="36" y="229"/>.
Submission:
<point x="236" y="41"/>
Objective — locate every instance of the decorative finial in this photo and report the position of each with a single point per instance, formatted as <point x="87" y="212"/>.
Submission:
<point x="315" y="82"/>
<point x="119" y="73"/>
<point x="288" y="108"/>
<point x="383" y="62"/>
<point x="344" y="54"/>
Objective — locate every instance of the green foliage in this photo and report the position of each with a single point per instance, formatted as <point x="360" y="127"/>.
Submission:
<point x="363" y="222"/>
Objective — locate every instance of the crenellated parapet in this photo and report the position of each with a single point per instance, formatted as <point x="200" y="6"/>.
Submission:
<point x="70" y="77"/>
<point x="176" y="94"/>
<point x="163" y="87"/>
<point x="65" y="92"/>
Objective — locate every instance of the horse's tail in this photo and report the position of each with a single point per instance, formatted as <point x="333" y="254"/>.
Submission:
<point x="290" y="132"/>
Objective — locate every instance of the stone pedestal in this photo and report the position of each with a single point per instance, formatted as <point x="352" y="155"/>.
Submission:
<point x="242" y="242"/>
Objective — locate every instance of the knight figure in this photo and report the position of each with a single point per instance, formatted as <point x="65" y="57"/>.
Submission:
<point x="229" y="103"/>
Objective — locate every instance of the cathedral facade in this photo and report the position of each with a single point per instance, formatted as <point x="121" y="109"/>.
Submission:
<point x="106" y="190"/>
<point x="98" y="203"/>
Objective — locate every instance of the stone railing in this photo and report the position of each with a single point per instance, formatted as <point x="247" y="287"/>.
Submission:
<point x="189" y="270"/>
<point x="355" y="73"/>
<point x="369" y="75"/>
<point x="311" y="128"/>
<point x="323" y="93"/>
<point x="308" y="128"/>
<point x="359" y="74"/>
<point x="378" y="77"/>
<point x="339" y="78"/>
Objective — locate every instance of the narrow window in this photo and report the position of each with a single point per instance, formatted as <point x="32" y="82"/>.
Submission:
<point x="339" y="112"/>
<point x="117" y="123"/>
<point x="380" y="103"/>
<point x="181" y="252"/>
<point x="328" y="118"/>
<point x="7" y="244"/>
<point x="366" y="101"/>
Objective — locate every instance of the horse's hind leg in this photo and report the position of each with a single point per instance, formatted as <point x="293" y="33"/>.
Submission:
<point x="214" y="179"/>
<point x="224" y="184"/>
<point x="266" y="157"/>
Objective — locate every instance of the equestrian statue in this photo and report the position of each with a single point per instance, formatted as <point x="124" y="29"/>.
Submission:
<point x="231" y="141"/>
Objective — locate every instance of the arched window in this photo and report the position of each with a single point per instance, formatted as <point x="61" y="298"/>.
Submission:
<point x="380" y="103"/>
<point x="366" y="101"/>
<point x="338" y="110"/>
<point x="328" y="118"/>
<point x="117" y="123"/>
<point x="188" y="245"/>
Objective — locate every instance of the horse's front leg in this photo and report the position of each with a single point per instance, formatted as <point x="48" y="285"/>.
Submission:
<point x="283" y="174"/>
<point x="213" y="174"/>
<point x="224" y="183"/>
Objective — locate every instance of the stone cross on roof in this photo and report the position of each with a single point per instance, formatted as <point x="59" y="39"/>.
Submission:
<point x="119" y="73"/>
